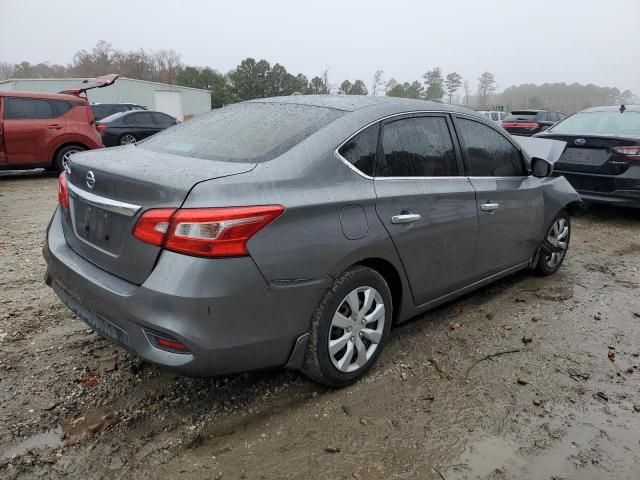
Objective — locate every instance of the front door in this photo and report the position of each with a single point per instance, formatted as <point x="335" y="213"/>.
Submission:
<point x="510" y="202"/>
<point x="426" y="204"/>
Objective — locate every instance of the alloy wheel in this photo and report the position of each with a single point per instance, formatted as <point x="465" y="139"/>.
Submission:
<point x="66" y="157"/>
<point x="127" y="139"/>
<point x="356" y="329"/>
<point x="558" y="238"/>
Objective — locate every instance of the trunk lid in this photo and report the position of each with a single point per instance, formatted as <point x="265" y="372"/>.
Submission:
<point x="110" y="189"/>
<point x="593" y="154"/>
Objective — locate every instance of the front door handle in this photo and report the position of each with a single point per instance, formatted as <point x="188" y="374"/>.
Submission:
<point x="489" y="207"/>
<point x="406" y="218"/>
<point x="55" y="126"/>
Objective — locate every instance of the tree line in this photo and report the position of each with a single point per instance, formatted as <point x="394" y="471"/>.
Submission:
<point x="258" y="79"/>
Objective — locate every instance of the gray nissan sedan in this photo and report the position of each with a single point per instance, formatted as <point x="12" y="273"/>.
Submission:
<point x="295" y="231"/>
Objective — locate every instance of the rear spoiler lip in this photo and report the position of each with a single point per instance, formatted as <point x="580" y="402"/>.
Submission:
<point x="98" y="82"/>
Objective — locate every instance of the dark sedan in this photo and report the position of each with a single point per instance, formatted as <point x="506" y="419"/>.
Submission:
<point x="129" y="127"/>
<point x="530" y="122"/>
<point x="103" y="110"/>
<point x="602" y="159"/>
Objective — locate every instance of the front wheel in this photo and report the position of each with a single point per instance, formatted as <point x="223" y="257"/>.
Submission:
<point x="556" y="243"/>
<point x="349" y="328"/>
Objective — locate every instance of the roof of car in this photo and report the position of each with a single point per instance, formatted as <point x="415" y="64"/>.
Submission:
<point x="351" y="103"/>
<point x="48" y="96"/>
<point x="528" y="110"/>
<point x="612" y="108"/>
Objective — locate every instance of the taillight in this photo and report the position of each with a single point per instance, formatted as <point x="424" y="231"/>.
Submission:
<point x="532" y="126"/>
<point x="152" y="227"/>
<point x="205" y="232"/>
<point x="63" y="191"/>
<point x="631" y="152"/>
<point x="101" y="127"/>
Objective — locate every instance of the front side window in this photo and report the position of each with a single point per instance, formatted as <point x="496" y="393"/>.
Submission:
<point x="27" y="109"/>
<point x="488" y="153"/>
<point x="360" y="151"/>
<point x="417" y="147"/>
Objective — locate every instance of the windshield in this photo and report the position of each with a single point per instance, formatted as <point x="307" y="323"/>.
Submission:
<point x="610" y="122"/>
<point x="245" y="132"/>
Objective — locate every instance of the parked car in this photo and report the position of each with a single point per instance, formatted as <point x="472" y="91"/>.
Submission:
<point x="602" y="159"/>
<point x="493" y="115"/>
<point x="530" y="122"/>
<point x="42" y="130"/>
<point x="129" y="127"/>
<point x="295" y="231"/>
<point x="103" y="110"/>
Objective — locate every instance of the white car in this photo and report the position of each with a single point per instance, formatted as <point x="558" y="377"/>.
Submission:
<point x="493" y="115"/>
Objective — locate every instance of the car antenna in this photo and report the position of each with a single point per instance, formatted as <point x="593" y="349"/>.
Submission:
<point x="622" y="108"/>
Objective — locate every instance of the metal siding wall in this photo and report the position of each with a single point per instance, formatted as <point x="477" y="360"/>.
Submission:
<point x="125" y="90"/>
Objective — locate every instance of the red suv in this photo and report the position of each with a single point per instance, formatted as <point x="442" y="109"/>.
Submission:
<point x="41" y="130"/>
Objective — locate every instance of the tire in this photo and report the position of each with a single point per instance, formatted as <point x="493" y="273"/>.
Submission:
<point x="555" y="238"/>
<point x="357" y="332"/>
<point x="63" y="155"/>
<point x="127" y="139"/>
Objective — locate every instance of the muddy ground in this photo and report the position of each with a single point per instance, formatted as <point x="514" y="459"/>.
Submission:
<point x="565" y="405"/>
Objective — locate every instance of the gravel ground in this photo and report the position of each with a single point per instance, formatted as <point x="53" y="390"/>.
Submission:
<point x="457" y="393"/>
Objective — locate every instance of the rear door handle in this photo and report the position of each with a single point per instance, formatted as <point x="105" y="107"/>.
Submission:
<point x="406" y="218"/>
<point x="489" y="207"/>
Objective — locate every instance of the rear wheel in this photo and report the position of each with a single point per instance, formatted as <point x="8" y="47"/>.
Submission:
<point x="127" y="139"/>
<point x="557" y="243"/>
<point x="349" y="328"/>
<point x="63" y="155"/>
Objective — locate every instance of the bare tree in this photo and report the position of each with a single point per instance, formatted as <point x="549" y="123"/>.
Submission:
<point x="166" y="65"/>
<point x="6" y="70"/>
<point x="465" y="87"/>
<point x="486" y="86"/>
<point x="378" y="81"/>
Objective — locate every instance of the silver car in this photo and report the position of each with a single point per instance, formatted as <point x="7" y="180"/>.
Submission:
<point x="295" y="231"/>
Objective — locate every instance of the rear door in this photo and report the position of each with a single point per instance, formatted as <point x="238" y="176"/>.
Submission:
<point x="30" y="127"/>
<point x="426" y="204"/>
<point x="510" y="204"/>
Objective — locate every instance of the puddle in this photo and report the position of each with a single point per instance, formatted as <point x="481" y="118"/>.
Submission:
<point x="483" y="457"/>
<point x="48" y="439"/>
<point x="595" y="443"/>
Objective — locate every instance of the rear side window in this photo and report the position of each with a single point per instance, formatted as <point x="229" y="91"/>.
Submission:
<point x="488" y="153"/>
<point x="244" y="132"/>
<point x="417" y="147"/>
<point x="60" y="107"/>
<point x="360" y="151"/>
<point x="27" y="108"/>
<point x="139" y="119"/>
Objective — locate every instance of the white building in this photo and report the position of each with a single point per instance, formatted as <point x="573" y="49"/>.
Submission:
<point x="179" y="102"/>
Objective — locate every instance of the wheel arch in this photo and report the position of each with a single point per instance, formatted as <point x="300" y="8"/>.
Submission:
<point x="393" y="279"/>
<point x="64" y="145"/>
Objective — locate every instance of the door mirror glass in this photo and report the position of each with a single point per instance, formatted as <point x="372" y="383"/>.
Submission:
<point x="540" y="167"/>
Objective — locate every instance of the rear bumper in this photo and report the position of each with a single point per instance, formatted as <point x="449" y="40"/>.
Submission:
<point x="223" y="310"/>
<point x="623" y="190"/>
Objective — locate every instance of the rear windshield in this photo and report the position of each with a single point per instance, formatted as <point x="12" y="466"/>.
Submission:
<point x="611" y="122"/>
<point x="246" y="132"/>
<point x="520" y="117"/>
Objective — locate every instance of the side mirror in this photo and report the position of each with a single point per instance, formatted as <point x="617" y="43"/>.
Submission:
<point x="540" y="168"/>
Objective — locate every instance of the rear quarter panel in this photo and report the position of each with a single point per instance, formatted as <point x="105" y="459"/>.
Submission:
<point x="307" y="243"/>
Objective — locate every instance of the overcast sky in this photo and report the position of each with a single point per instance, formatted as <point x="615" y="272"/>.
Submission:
<point x="585" y="41"/>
